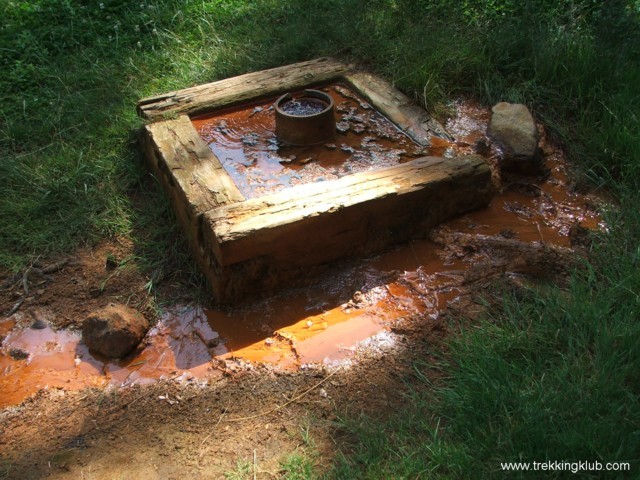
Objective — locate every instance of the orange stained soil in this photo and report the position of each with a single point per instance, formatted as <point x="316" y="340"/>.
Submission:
<point x="243" y="138"/>
<point x="324" y="323"/>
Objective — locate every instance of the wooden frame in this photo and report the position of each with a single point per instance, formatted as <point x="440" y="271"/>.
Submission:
<point x="255" y="246"/>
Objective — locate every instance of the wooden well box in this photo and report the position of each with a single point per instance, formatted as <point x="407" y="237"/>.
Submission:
<point x="249" y="247"/>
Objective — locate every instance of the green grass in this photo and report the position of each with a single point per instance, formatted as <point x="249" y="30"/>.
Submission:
<point x="551" y="375"/>
<point x="72" y="74"/>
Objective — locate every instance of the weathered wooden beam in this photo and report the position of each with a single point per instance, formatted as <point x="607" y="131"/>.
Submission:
<point x="189" y="163"/>
<point x="264" y="243"/>
<point x="191" y="175"/>
<point x="238" y="89"/>
<point x="397" y="107"/>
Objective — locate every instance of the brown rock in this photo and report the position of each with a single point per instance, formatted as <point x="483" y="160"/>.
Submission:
<point x="114" y="331"/>
<point x="512" y="126"/>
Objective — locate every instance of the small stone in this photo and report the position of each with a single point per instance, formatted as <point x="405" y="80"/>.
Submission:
<point x="250" y="140"/>
<point x="354" y="117"/>
<point x="309" y="324"/>
<point x="513" y="127"/>
<point x="38" y="325"/>
<point x="114" y="331"/>
<point x="482" y="147"/>
<point x="343" y="127"/>
<point x="222" y="126"/>
<point x="213" y="342"/>
<point x="346" y="148"/>
<point x="18" y="354"/>
<point x="344" y="92"/>
<point x="358" y="297"/>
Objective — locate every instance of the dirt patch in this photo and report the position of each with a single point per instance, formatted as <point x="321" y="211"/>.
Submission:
<point x="61" y="292"/>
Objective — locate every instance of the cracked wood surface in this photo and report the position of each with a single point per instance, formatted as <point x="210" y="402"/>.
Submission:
<point x="192" y="177"/>
<point x="396" y="106"/>
<point x="190" y="166"/>
<point x="238" y="89"/>
<point x="266" y="241"/>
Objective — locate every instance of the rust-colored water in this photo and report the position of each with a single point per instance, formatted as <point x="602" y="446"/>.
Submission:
<point x="244" y="140"/>
<point x="51" y="363"/>
<point x="322" y="323"/>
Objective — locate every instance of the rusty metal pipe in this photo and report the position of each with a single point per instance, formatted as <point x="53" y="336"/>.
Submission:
<point x="299" y="128"/>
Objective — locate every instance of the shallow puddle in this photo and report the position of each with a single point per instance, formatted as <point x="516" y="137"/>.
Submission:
<point x="320" y="324"/>
<point x="244" y="140"/>
<point x="50" y="362"/>
<point x="323" y="323"/>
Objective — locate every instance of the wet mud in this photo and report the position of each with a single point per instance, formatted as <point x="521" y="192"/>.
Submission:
<point x="345" y="312"/>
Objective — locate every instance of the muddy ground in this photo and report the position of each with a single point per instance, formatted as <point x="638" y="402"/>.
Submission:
<point x="171" y="430"/>
<point x="187" y="427"/>
<point x="201" y="425"/>
<point x="191" y="428"/>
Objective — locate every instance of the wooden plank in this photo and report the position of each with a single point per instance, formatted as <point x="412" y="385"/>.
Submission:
<point x="192" y="177"/>
<point x="244" y="87"/>
<point x="263" y="243"/>
<point x="396" y="106"/>
<point x="189" y="163"/>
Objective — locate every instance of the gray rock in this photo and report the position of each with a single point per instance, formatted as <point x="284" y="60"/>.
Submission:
<point x="38" y="324"/>
<point x="18" y="354"/>
<point x="114" y="331"/>
<point x="513" y="127"/>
